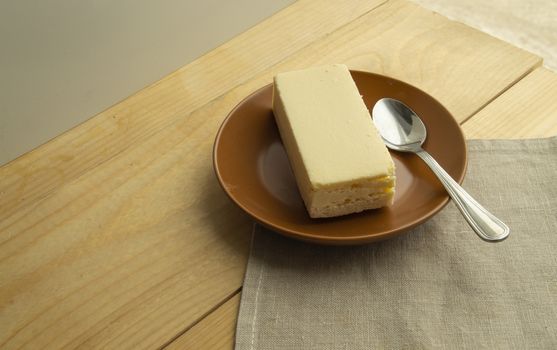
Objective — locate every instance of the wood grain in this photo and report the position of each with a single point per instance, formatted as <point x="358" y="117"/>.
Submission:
<point x="216" y="331"/>
<point x="136" y="249"/>
<point x="444" y="58"/>
<point x="34" y="175"/>
<point x="527" y="110"/>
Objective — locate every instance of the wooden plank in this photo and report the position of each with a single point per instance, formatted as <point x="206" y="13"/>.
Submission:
<point x="34" y="175"/>
<point x="136" y="250"/>
<point x="527" y="110"/>
<point x="216" y="331"/>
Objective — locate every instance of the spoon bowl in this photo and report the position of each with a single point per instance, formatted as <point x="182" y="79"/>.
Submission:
<point x="405" y="132"/>
<point x="402" y="130"/>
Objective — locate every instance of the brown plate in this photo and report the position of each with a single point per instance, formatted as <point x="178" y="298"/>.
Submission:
<point x="253" y="169"/>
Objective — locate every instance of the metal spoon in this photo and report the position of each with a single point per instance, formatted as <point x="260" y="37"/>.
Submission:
<point x="402" y="130"/>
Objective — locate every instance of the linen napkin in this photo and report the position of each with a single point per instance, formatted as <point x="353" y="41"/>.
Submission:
<point x="437" y="287"/>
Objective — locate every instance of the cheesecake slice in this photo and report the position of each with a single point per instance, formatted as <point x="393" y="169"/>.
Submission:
<point x="338" y="157"/>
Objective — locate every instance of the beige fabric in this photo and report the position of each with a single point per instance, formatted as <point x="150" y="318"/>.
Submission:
<point x="438" y="287"/>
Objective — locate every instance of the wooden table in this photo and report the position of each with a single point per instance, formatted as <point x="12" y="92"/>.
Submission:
<point x="116" y="234"/>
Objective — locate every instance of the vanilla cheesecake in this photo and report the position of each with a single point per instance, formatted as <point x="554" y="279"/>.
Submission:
<point x="339" y="160"/>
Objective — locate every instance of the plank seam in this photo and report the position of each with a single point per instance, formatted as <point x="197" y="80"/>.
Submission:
<point x="201" y="318"/>
<point x="503" y="91"/>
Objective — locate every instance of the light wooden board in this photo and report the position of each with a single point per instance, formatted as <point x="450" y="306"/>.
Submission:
<point x="216" y="331"/>
<point x="527" y="110"/>
<point x="36" y="174"/>
<point x="136" y="249"/>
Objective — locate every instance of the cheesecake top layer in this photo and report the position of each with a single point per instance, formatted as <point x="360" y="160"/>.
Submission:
<point x="333" y="130"/>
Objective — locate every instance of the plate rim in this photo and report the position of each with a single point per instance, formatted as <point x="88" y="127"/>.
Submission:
<point x="335" y="240"/>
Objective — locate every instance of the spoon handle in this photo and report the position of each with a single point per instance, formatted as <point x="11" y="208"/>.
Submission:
<point x="485" y="224"/>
